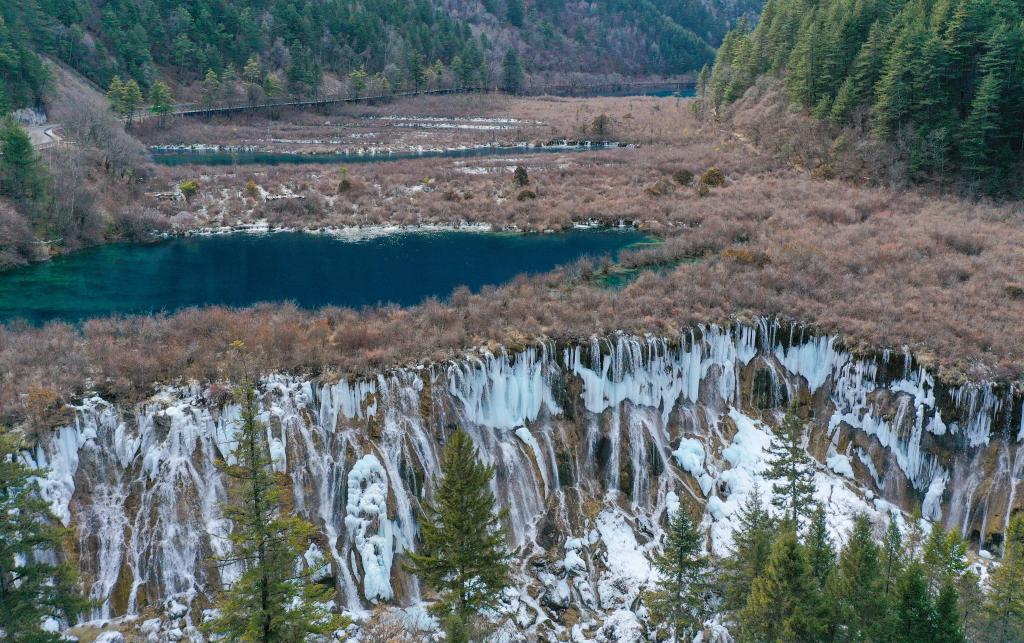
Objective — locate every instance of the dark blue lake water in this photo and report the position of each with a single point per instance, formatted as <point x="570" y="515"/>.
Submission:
<point x="308" y="269"/>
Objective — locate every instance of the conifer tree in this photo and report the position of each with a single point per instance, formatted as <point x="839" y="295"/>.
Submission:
<point x="785" y="602"/>
<point x="160" y="101"/>
<point x="678" y="601"/>
<point x="115" y="96"/>
<point x="980" y="126"/>
<point x="211" y="87"/>
<point x="31" y="588"/>
<point x="511" y="72"/>
<point x="131" y="99"/>
<point x="948" y="628"/>
<point x="915" y="610"/>
<point x="892" y="558"/>
<point x="752" y="543"/>
<point x="944" y="558"/>
<point x="270" y="602"/>
<point x="855" y="589"/>
<point x="820" y="551"/>
<point x="1004" y="603"/>
<point x="789" y="463"/>
<point x="22" y="175"/>
<point x="463" y="556"/>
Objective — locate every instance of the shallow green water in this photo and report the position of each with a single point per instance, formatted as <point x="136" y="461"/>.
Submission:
<point x="308" y="269"/>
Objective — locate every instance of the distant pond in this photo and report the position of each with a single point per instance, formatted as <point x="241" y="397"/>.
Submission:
<point x="176" y="156"/>
<point x="312" y="270"/>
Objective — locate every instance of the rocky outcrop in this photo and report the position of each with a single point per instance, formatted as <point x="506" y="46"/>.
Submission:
<point x="593" y="444"/>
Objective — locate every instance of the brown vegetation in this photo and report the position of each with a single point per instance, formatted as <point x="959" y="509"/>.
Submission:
<point x="881" y="266"/>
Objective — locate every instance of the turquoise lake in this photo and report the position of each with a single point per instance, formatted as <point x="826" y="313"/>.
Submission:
<point x="310" y="270"/>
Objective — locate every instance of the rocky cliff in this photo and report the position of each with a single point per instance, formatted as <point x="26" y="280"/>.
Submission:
<point x="594" y="443"/>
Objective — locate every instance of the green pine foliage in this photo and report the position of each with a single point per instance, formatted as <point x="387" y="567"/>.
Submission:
<point x="511" y="72"/>
<point x="855" y="589"/>
<point x="270" y="601"/>
<point x="462" y="556"/>
<point x="678" y="603"/>
<point x="23" y="176"/>
<point x="944" y="78"/>
<point x="916" y="617"/>
<point x="31" y="589"/>
<point x="1003" y="614"/>
<point x="785" y="603"/>
<point x="23" y="76"/>
<point x="790" y="465"/>
<point x="948" y="628"/>
<point x="820" y="551"/>
<point x="752" y="542"/>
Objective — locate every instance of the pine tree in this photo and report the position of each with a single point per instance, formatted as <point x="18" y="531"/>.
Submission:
<point x="789" y="462"/>
<point x="252" y="75"/>
<point x="975" y="137"/>
<point x="515" y="12"/>
<point x="211" y="88"/>
<point x="22" y="175"/>
<point x="463" y="556"/>
<point x="511" y="72"/>
<point x="31" y="588"/>
<point x="947" y="615"/>
<point x="944" y="558"/>
<point x="357" y="82"/>
<point x="115" y="96"/>
<point x="1004" y="603"/>
<point x="856" y="588"/>
<point x="131" y="99"/>
<point x="752" y="543"/>
<point x="915" y="611"/>
<point x="785" y="602"/>
<point x="820" y="551"/>
<point x="160" y="101"/>
<point x="270" y="601"/>
<point x="678" y="601"/>
<point x="892" y="558"/>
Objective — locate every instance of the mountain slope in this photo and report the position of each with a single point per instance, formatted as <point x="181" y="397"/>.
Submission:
<point x="410" y="42"/>
<point x="940" y="79"/>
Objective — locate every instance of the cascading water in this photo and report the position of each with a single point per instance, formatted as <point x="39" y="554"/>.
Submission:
<point x="592" y="444"/>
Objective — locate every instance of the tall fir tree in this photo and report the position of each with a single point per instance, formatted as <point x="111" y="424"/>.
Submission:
<point x="160" y="102"/>
<point x="678" y="601"/>
<point x="915" y="610"/>
<point x="22" y="175"/>
<point x="855" y="590"/>
<point x="948" y="628"/>
<point x="944" y="558"/>
<point x="892" y="558"/>
<point x="785" y="602"/>
<point x="463" y="556"/>
<point x="789" y="464"/>
<point x="270" y="602"/>
<point x="32" y="589"/>
<point x="1003" y="613"/>
<point x="511" y="72"/>
<point x="752" y="543"/>
<point x="820" y="551"/>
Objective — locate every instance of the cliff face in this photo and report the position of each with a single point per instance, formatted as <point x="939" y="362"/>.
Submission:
<point x="593" y="445"/>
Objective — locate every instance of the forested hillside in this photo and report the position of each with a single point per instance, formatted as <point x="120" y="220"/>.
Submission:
<point x="408" y="43"/>
<point x="943" y="79"/>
